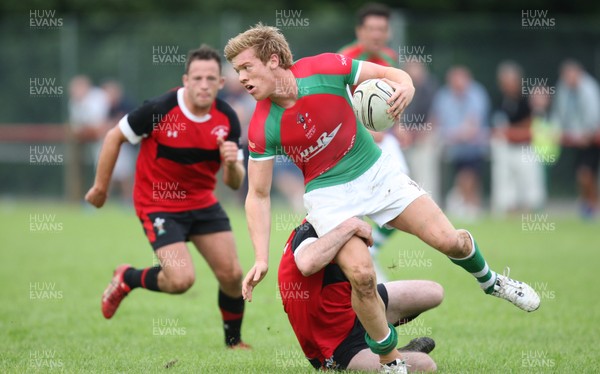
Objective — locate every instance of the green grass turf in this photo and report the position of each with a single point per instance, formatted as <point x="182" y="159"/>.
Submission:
<point x="474" y="333"/>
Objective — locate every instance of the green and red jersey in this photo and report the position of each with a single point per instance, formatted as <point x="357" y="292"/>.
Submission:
<point x="320" y="132"/>
<point x="385" y="57"/>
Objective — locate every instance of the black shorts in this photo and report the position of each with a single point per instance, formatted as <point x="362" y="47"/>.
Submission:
<point x="588" y="157"/>
<point x="355" y="341"/>
<point x="164" y="228"/>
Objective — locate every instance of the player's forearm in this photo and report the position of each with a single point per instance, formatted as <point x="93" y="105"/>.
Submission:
<point x="107" y="159"/>
<point x="321" y="252"/>
<point x="258" y="216"/>
<point x="398" y="75"/>
<point x="233" y="175"/>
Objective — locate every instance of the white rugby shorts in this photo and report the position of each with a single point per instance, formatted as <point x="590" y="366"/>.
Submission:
<point x="381" y="193"/>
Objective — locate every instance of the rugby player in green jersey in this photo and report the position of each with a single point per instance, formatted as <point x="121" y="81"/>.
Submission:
<point x="303" y="111"/>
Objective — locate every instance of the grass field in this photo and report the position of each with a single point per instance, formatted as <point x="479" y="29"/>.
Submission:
<point x="56" y="261"/>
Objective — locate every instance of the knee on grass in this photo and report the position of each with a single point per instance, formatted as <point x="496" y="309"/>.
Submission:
<point x="419" y="362"/>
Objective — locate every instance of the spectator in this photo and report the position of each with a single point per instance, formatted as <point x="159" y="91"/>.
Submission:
<point x="124" y="170"/>
<point x="577" y="109"/>
<point x="88" y="111"/>
<point x="545" y="130"/>
<point x="517" y="172"/>
<point x="423" y="152"/>
<point x="460" y="111"/>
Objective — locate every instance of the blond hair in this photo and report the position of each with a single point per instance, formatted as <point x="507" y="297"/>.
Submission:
<point x="265" y="40"/>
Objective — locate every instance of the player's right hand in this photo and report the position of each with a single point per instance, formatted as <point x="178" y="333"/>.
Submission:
<point x="96" y="197"/>
<point x="402" y="96"/>
<point x="254" y="276"/>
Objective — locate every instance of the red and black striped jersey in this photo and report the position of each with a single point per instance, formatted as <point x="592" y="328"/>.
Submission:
<point x="179" y="156"/>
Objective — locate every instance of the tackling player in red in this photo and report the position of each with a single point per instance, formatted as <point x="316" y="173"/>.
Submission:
<point x="316" y="297"/>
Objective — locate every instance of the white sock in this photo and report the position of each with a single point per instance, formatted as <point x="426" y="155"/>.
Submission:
<point x="387" y="336"/>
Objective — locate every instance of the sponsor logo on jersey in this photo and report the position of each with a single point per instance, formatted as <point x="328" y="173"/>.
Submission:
<point x="322" y="143"/>
<point x="220" y="131"/>
<point x="306" y="123"/>
<point x="343" y="59"/>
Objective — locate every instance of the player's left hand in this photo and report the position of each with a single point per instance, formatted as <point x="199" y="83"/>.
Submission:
<point x="402" y="96"/>
<point x="228" y="151"/>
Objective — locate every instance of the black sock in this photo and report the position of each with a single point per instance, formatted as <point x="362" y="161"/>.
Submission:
<point x="232" y="311"/>
<point x="146" y="278"/>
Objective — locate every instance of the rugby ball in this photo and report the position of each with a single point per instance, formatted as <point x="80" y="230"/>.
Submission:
<point x="370" y="104"/>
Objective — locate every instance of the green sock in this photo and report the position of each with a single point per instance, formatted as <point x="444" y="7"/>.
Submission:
<point x="476" y="265"/>
<point x="386" y="346"/>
